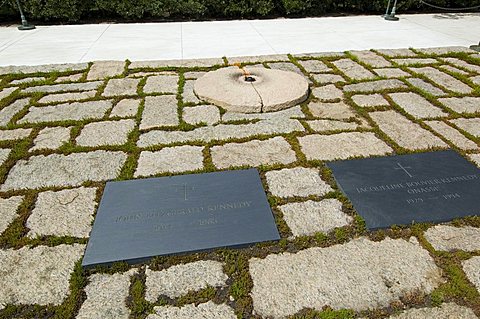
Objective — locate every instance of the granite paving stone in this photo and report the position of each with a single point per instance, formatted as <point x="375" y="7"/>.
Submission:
<point x="321" y="55"/>
<point x="466" y="104"/>
<point x="332" y="125"/>
<point x="425" y="86"/>
<point x="8" y="112"/>
<point x="4" y="153"/>
<point x="56" y="88"/>
<point x="327" y="92"/>
<point x="471" y="267"/>
<point x="475" y="158"/>
<point x="371" y="58"/>
<point x="15" y="134"/>
<point x="452" y="69"/>
<point x="194" y="74"/>
<point x="369" y="100"/>
<point x="8" y="210"/>
<point x="298" y="181"/>
<point x="328" y="78"/>
<point x="451" y="134"/>
<point x="64" y="97"/>
<point x="336" y="111"/>
<point x="397" y="52"/>
<point x="188" y="94"/>
<point x="416" y="105"/>
<point x="208" y="310"/>
<point x="28" y="80"/>
<point x="258" y="58"/>
<point x="375" y="86"/>
<point x="445" y="50"/>
<point x="118" y="87"/>
<point x="69" y="78"/>
<point x="314" y="66"/>
<point x="126" y="108"/>
<point x="444" y="80"/>
<point x="51" y="138"/>
<point x="105" y="133"/>
<point x="391" y="73"/>
<point x="6" y="92"/>
<point x="176" y="63"/>
<point x="476" y="79"/>
<point x="105" y="69"/>
<point x="449" y="238"/>
<point x="43" y="68"/>
<point x="283" y="115"/>
<point x="161" y="84"/>
<point x="471" y="125"/>
<point x="353" y="70"/>
<point x="286" y="66"/>
<point x="445" y="311"/>
<point x="208" y="114"/>
<point x="159" y="111"/>
<point x="415" y="61"/>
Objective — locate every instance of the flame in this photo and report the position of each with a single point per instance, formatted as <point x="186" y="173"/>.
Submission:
<point x="245" y="72"/>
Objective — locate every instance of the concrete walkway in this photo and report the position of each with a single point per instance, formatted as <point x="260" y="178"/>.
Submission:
<point x="188" y="40"/>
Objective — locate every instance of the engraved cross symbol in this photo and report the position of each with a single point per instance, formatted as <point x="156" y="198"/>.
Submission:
<point x="184" y="189"/>
<point x="404" y="169"/>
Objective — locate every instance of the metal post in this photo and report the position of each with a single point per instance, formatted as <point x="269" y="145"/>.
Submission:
<point x="388" y="7"/>
<point x="25" y="25"/>
<point x="391" y="16"/>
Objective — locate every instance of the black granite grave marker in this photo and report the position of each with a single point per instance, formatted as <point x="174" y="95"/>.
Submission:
<point x="399" y="190"/>
<point x="140" y="219"/>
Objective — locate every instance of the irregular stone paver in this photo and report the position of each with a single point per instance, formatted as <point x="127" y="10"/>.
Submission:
<point x="308" y="218"/>
<point x="472" y="270"/>
<point x="105" y="133"/>
<point x="391" y="73"/>
<point x="353" y="70"/>
<point x="4" y="152"/>
<point x="171" y="159"/>
<point x="476" y="79"/>
<point x="51" y="138"/>
<point x="209" y="114"/>
<point x="414" y="61"/>
<point x="161" y="84"/>
<point x="475" y="158"/>
<point x="327" y="92"/>
<point x="37" y="276"/>
<point x="452" y="135"/>
<point x="448" y="238"/>
<point x="452" y="69"/>
<point x="16" y="134"/>
<point x="328" y="78"/>
<point x="178" y="280"/>
<point x="463" y="64"/>
<point x="443" y="79"/>
<point x="445" y="50"/>
<point x="69" y="78"/>
<point x="8" y="112"/>
<point x="106" y="296"/>
<point x="332" y="125"/>
<point x="375" y="86"/>
<point x="8" y="211"/>
<point x="314" y="66"/>
<point x="188" y="94"/>
<point x="176" y="63"/>
<point x="336" y="111"/>
<point x="321" y="55"/>
<point x="466" y="104"/>
<point x="75" y="111"/>
<point x="298" y="181"/>
<point x="371" y="58"/>
<point x="6" y="92"/>
<point x="283" y="115"/>
<point x="43" y="68"/>
<point x="65" y="213"/>
<point x="471" y="126"/>
<point x="342" y="146"/>
<point x="369" y="100"/>
<point x="286" y="66"/>
<point x="208" y="310"/>
<point x="445" y="311"/>
<point x="253" y="153"/>
<point x="405" y="133"/>
<point x="397" y="52"/>
<point x="117" y="87"/>
<point x="359" y="275"/>
<point x="159" y="111"/>
<point x="194" y="75"/>
<point x="416" y="105"/>
<point x="125" y="108"/>
<point x="425" y="86"/>
<point x="64" y="97"/>
<point x="88" y="86"/>
<point x="28" y="80"/>
<point x="64" y="170"/>
<point x="105" y="69"/>
<point x="258" y="58"/>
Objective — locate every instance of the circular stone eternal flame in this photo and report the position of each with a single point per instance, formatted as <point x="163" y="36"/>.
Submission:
<point x="264" y="90"/>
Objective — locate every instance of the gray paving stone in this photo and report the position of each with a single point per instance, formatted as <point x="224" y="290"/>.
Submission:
<point x="466" y="104"/>
<point x="6" y="92"/>
<point x="208" y="310"/>
<point x="8" y="112"/>
<point x="451" y="134"/>
<point x="286" y="66"/>
<point x="161" y="84"/>
<point x="375" y="86"/>
<point x="126" y="108"/>
<point x="332" y="125"/>
<point x="336" y="111"/>
<point x="258" y="58"/>
<point x="328" y="78"/>
<point x="51" y="138"/>
<point x="75" y="111"/>
<point x="69" y="78"/>
<point x="64" y="170"/>
<point x="321" y="55"/>
<point x="293" y="112"/>
<point x="253" y="153"/>
<point x="391" y="73"/>
<point x="417" y="61"/>
<point x="209" y="114"/>
<point x="371" y="58"/>
<point x="453" y="69"/>
<point x="118" y="87"/>
<point x="178" y="280"/>
<point x="4" y="152"/>
<point x="64" y="97"/>
<point x="445" y="311"/>
<point x="314" y="66"/>
<point x="105" y="69"/>
<point x="8" y="211"/>
<point x="56" y="88"/>
<point x="342" y="146"/>
<point x="37" y="276"/>
<point x="188" y="94"/>
<point x="358" y="275"/>
<point x="425" y="86"/>
<point x="176" y="63"/>
<point x="476" y="79"/>
<point x="298" y="181"/>
<point x="405" y="133"/>
<point x="475" y="158"/>
<point x="159" y="111"/>
<point x="471" y="267"/>
<point x="65" y="213"/>
<point x="449" y="238"/>
<point x="443" y="80"/>
<point x="194" y="75"/>
<point x="471" y="126"/>
<point x="43" y="68"/>
<point x="369" y="100"/>
<point x="28" y="80"/>
<point x="15" y="134"/>
<point x="416" y="105"/>
<point x="327" y="92"/>
<point x="171" y="159"/>
<point x="445" y="50"/>
<point x="397" y="52"/>
<point x="353" y="70"/>
<point x="105" y="133"/>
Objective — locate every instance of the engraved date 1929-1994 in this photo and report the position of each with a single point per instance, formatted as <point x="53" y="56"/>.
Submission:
<point x="418" y="200"/>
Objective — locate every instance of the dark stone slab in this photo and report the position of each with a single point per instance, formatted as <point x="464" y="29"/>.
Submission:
<point x="140" y="219"/>
<point x="399" y="190"/>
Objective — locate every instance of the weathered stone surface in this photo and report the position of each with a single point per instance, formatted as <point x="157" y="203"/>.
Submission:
<point x="65" y="213"/>
<point x="327" y="92"/>
<point x="328" y="78"/>
<point x="476" y="79"/>
<point x="159" y="111"/>
<point x="188" y="94"/>
<point x="51" y="138"/>
<point x="4" y="152"/>
<point x="353" y="70"/>
<point x="145" y="74"/>
<point x="209" y="114"/>
<point x="369" y="100"/>
<point x="161" y="84"/>
<point x="178" y="280"/>
<point x="28" y="80"/>
<point x="105" y="133"/>
<point x="449" y="238"/>
<point x="69" y="78"/>
<point x="310" y="217"/>
<point x="471" y="126"/>
<point x="466" y="104"/>
<point x="8" y="112"/>
<point x="375" y="86"/>
<point x="176" y="63"/>
<point x="445" y="50"/>
<point x="443" y="79"/>
<point x="298" y="181"/>
<point x="425" y="86"/>
<point x="16" y="134"/>
<point x="125" y="108"/>
<point x="105" y="69"/>
<point x="359" y="275"/>
<point x="118" y="87"/>
<point x="321" y="55"/>
<point x="194" y="75"/>
<point x="106" y="296"/>
<point x="445" y="311"/>
<point x="6" y="92"/>
<point x="258" y="58"/>
<point x="64" y="170"/>
<point x="64" y="97"/>
<point x="342" y="146"/>
<point x="55" y="88"/>
<point x="283" y="115"/>
<point x="405" y="133"/>
<point x="475" y="158"/>
<point x="336" y="111"/>
<point x="37" y="276"/>
<point x="416" y="105"/>
<point x="286" y="66"/>
<point x="453" y="69"/>
<point x="416" y="61"/>
<point x="332" y="125"/>
<point x="208" y="310"/>
<point x="391" y="73"/>
<point x="171" y="159"/>
<point x="8" y="211"/>
<point x="75" y="111"/>
<point x="43" y="68"/>
<point x="452" y="135"/>
<point x="397" y="52"/>
<point x="471" y="267"/>
<point x="314" y="66"/>
<point x="253" y="153"/>
<point x="371" y="58"/>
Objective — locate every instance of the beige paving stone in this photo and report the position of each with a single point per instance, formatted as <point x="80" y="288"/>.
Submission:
<point x="9" y="111"/>
<point x="65" y="213"/>
<point x="105" y="133"/>
<point x="449" y="238"/>
<point x="466" y="104"/>
<point x="445" y="311"/>
<point x="118" y="87"/>
<point x="176" y="63"/>
<point x="64" y="97"/>
<point x="188" y="94"/>
<point x="126" y="108"/>
<point x="6" y="92"/>
<point x="342" y="146"/>
<point x="471" y="267"/>
<point x="314" y="66"/>
<point x="283" y="115"/>
<point x="253" y="153"/>
<point x="194" y="74"/>
<point x="258" y="58"/>
<point x="38" y="275"/>
<point x="51" y="138"/>
<point x="405" y="133"/>
<point x="4" y="152"/>
<point x="425" y="86"/>
<point x="161" y="84"/>
<point x="64" y="170"/>
<point x="353" y="70"/>
<point x="171" y="159"/>
<point x="106" y="296"/>
<point x="471" y="126"/>
<point x="336" y="111"/>
<point x="15" y="134"/>
<point x="475" y="158"/>
<point x="453" y="69"/>
<point x="327" y="92"/>
<point x="332" y="125"/>
<point x="159" y="111"/>
<point x="375" y="86"/>
<point x="358" y="275"/>
<point x="43" y="68"/>
<point x="416" y="105"/>
<point x="371" y="58"/>
<point x="328" y="78"/>
<point x="298" y="181"/>
<point x="452" y="135"/>
<point x="208" y="310"/>
<point x="443" y="79"/>
<point x="310" y="217"/>
<point x="56" y="88"/>
<point x="391" y="73"/>
<point x="75" y="111"/>
<point x="105" y="69"/>
<point x="8" y="211"/>
<point x="178" y="280"/>
<point x="445" y="50"/>
<point x="415" y="61"/>
<point x="209" y="114"/>
<point x="397" y="52"/>
<point x="369" y="100"/>
<point x="69" y="78"/>
<point x="28" y="80"/>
